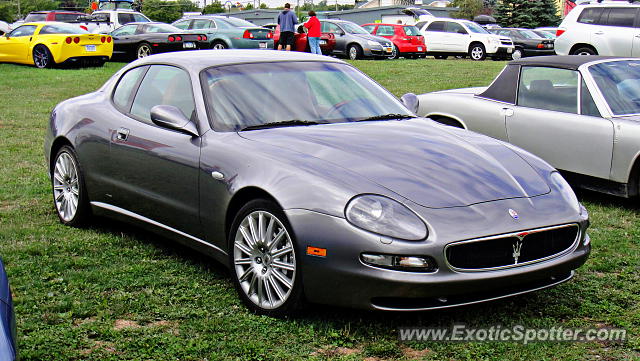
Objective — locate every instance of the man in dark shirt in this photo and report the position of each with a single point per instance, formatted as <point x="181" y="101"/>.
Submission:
<point x="287" y="21"/>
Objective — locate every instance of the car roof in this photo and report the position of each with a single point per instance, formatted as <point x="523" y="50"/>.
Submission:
<point x="56" y="11"/>
<point x="560" y="61"/>
<point x="387" y="24"/>
<point x="201" y="59"/>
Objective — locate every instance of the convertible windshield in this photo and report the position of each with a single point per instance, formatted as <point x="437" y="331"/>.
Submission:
<point x="249" y="95"/>
<point x="352" y="28"/>
<point x="619" y="82"/>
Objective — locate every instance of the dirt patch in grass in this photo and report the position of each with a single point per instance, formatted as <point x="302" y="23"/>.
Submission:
<point x="412" y="354"/>
<point x="337" y="351"/>
<point x="105" y="346"/>
<point x="122" y="324"/>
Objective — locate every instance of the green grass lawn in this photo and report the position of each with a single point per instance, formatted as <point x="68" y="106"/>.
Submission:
<point x="116" y="292"/>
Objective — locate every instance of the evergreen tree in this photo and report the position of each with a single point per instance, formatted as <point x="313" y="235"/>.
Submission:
<point x="526" y="13"/>
<point x="468" y="8"/>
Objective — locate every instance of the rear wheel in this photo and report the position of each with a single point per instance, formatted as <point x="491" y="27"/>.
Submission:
<point x="354" y="52"/>
<point x="143" y="50"/>
<point x="219" y="45"/>
<point x="477" y="52"/>
<point x="69" y="191"/>
<point x="517" y="54"/>
<point x="42" y="57"/>
<point x="585" y="50"/>
<point x="264" y="264"/>
<point x="395" y="54"/>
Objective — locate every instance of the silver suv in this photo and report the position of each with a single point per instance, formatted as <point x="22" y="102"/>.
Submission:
<point x="607" y="28"/>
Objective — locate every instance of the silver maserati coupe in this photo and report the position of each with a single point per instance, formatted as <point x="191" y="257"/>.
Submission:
<point x="579" y="113"/>
<point x="312" y="182"/>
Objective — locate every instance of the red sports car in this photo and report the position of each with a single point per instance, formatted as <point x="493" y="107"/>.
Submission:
<point x="407" y="39"/>
<point x="327" y="40"/>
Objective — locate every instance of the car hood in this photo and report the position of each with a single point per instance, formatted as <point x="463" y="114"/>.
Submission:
<point x="372" y="37"/>
<point x="417" y="159"/>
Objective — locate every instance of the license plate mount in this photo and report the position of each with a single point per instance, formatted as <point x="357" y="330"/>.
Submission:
<point x="90" y="48"/>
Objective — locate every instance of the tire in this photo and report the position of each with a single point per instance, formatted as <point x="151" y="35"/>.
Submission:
<point x="267" y="284"/>
<point x="517" y="54"/>
<point x="219" y="45"/>
<point x="143" y="50"/>
<point x="42" y="57"/>
<point x="441" y="57"/>
<point x="585" y="50"/>
<point x="477" y="52"/>
<point x="354" y="52"/>
<point x="68" y="187"/>
<point x="395" y="54"/>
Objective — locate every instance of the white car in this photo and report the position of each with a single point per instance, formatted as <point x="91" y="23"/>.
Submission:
<point x="607" y="28"/>
<point x="444" y="37"/>
<point x="106" y="21"/>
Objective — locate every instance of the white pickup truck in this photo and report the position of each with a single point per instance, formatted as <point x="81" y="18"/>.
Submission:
<point x="106" y="21"/>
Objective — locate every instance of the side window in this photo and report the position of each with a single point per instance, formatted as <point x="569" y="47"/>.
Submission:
<point x="125" y="18"/>
<point x="66" y="17"/>
<point x="184" y="24"/>
<point x="590" y="16"/>
<point x="140" y="18"/>
<point x="25" y="30"/>
<point x="369" y="28"/>
<point x="123" y="93"/>
<point x="548" y="88"/>
<point x="436" y="26"/>
<point x="587" y="105"/>
<point x="331" y="28"/>
<point x="385" y="30"/>
<point x="455" y="28"/>
<point x="622" y="17"/>
<point x="163" y="85"/>
<point x="125" y="30"/>
<point x="201" y="24"/>
<point x="420" y="24"/>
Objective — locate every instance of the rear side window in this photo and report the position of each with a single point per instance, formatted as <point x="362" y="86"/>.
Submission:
<point x="590" y="16"/>
<point x="163" y="85"/>
<point x="385" y="30"/>
<point x="66" y="17"/>
<point x="125" y="18"/>
<point x="411" y="30"/>
<point x="436" y="26"/>
<point x="202" y="24"/>
<point x="623" y="17"/>
<point x="123" y="94"/>
<point x="61" y="29"/>
<point x="455" y="28"/>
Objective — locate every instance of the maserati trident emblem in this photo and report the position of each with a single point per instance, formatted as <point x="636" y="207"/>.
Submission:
<point x="513" y="214"/>
<point x="517" y="246"/>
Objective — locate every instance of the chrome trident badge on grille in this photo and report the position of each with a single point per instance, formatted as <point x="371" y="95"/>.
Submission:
<point x="517" y="246"/>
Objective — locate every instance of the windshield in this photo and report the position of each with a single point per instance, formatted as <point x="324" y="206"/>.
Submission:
<point x="475" y="28"/>
<point x="245" y="95"/>
<point x="161" y="28"/>
<point x="619" y="83"/>
<point x="528" y="34"/>
<point x="239" y="23"/>
<point x="62" y="29"/>
<point x="352" y="28"/>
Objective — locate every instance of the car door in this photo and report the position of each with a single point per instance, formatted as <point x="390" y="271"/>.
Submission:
<point x="616" y="36"/>
<point x="434" y="36"/>
<point x="457" y="37"/>
<point x="205" y="26"/>
<point x="339" y="34"/>
<point x="124" y="39"/>
<point x="554" y="120"/>
<point x="15" y="46"/>
<point x="154" y="170"/>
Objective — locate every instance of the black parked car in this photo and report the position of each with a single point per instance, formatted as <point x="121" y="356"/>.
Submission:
<point x="526" y="42"/>
<point x="138" y="40"/>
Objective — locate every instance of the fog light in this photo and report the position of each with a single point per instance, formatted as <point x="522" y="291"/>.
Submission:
<point x="400" y="263"/>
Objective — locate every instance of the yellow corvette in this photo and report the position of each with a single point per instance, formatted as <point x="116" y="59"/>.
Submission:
<point x="45" y="44"/>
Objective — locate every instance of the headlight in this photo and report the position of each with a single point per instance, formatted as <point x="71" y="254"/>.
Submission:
<point x="565" y="189"/>
<point x="373" y="43"/>
<point x="385" y="216"/>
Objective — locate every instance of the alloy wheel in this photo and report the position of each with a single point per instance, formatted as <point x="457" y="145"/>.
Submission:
<point x="143" y="51"/>
<point x="517" y="54"/>
<point x="353" y="53"/>
<point x="264" y="260"/>
<point x="219" y="46"/>
<point x="477" y="53"/>
<point x="41" y="57"/>
<point x="66" y="189"/>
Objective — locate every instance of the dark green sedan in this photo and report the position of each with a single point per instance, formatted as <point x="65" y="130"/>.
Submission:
<point x="228" y="32"/>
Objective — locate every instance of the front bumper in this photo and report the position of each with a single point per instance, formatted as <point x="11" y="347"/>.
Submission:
<point x="342" y="279"/>
<point x="377" y="52"/>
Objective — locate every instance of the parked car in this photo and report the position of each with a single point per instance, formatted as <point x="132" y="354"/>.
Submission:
<point x="308" y="179"/>
<point x="8" y="349"/>
<point x="445" y="37"/>
<point x="526" y="42"/>
<point x="53" y="15"/>
<point x="578" y="113"/>
<point x="300" y="41"/>
<point x="228" y="32"/>
<point x="600" y="29"/>
<point x="46" y="44"/>
<point x="407" y="40"/>
<point x="138" y="40"/>
<point x="106" y="21"/>
<point x="355" y="42"/>
<point x="4" y="27"/>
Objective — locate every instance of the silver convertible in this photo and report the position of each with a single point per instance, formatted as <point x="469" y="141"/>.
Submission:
<point x="579" y="113"/>
<point x="311" y="181"/>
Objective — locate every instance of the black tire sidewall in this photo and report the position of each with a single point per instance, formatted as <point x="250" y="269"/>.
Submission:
<point x="584" y="49"/>
<point x="296" y="298"/>
<point x="83" y="212"/>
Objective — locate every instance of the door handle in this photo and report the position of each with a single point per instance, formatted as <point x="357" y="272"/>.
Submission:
<point x="122" y="134"/>
<point x="507" y="112"/>
<point x="599" y="33"/>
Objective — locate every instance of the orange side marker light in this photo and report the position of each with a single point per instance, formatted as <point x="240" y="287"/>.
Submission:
<point x="315" y="251"/>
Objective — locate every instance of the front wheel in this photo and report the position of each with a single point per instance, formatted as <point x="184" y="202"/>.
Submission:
<point x="143" y="51"/>
<point x="395" y="54"/>
<point x="477" y="52"/>
<point x="42" y="57"/>
<point x="69" y="191"/>
<point x="219" y="45"/>
<point x="354" y="52"/>
<point x="264" y="264"/>
<point x="584" y="51"/>
<point x="517" y="54"/>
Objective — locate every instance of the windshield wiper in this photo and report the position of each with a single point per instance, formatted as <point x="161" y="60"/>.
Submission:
<point x="283" y="123"/>
<point x="387" y="117"/>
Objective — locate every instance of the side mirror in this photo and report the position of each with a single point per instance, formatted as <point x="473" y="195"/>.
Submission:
<point x="170" y="117"/>
<point x="411" y="101"/>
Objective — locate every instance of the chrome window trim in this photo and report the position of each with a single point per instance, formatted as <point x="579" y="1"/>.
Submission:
<point x="570" y="249"/>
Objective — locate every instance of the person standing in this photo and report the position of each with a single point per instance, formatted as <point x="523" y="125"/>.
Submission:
<point x="287" y="21"/>
<point x="313" y="33"/>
